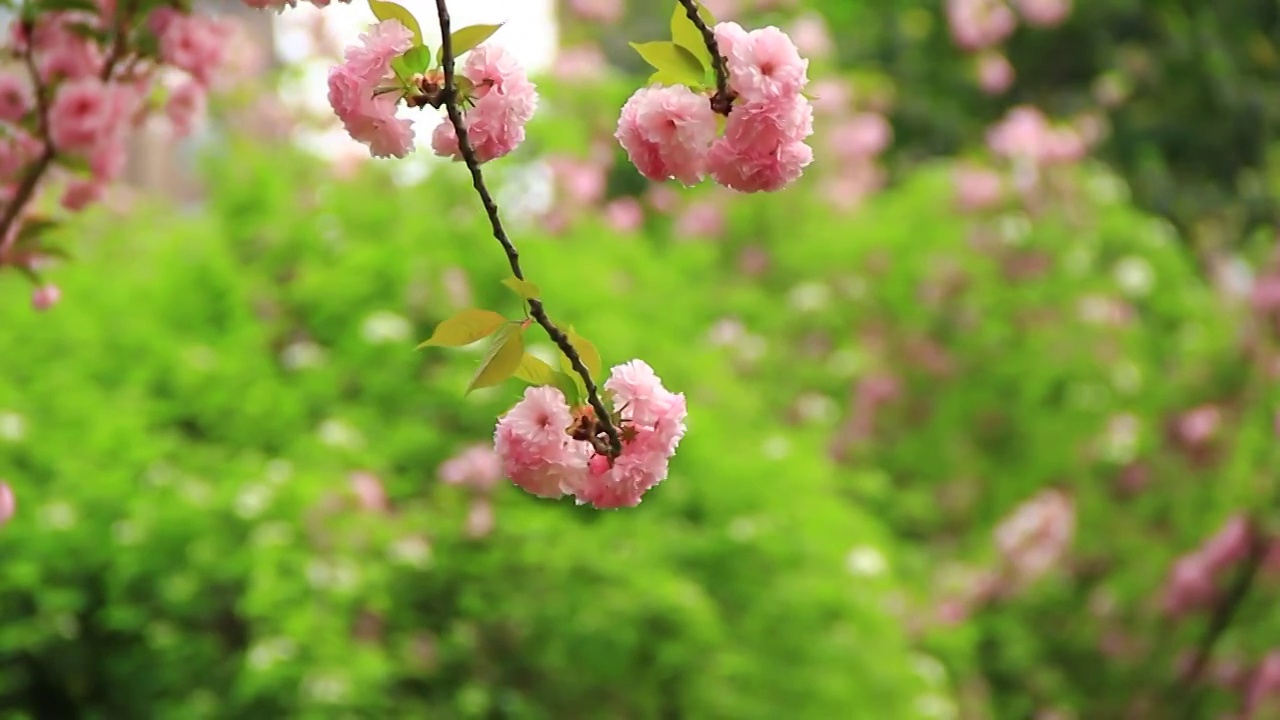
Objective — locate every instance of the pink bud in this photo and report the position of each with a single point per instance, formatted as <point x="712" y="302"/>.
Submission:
<point x="8" y="503"/>
<point x="45" y="297"/>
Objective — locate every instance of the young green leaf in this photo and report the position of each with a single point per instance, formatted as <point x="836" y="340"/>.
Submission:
<point x="386" y="10"/>
<point x="501" y="359"/>
<point x="525" y="289"/>
<point x="686" y="35"/>
<point x="672" y="61"/>
<point x="465" y="328"/>
<point x="467" y="38"/>
<point x="586" y="351"/>
<point x="570" y="387"/>
<point x="416" y="59"/>
<point x="535" y="371"/>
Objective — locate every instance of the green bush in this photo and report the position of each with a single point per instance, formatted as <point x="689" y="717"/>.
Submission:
<point x="187" y="545"/>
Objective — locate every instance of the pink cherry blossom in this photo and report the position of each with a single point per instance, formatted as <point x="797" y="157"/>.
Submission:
<point x="369" y="116"/>
<point x="1264" y="685"/>
<point x="369" y="492"/>
<point x="700" y="219"/>
<point x="16" y="97"/>
<point x="17" y="149"/>
<point x="480" y="519"/>
<point x="62" y="53"/>
<point x="504" y="100"/>
<point x="8" y="504"/>
<point x="624" y="214"/>
<point x="1036" y="536"/>
<point x="861" y="136"/>
<point x="602" y="11"/>
<point x="977" y="188"/>
<point x="45" y="297"/>
<point x="995" y="73"/>
<point x="666" y="131"/>
<point x="763" y="64"/>
<point x="88" y="116"/>
<point x="541" y="456"/>
<point x="979" y="24"/>
<point x="811" y="35"/>
<point x="185" y="104"/>
<point x="476" y="466"/>
<point x="752" y="171"/>
<point x="194" y="43"/>
<point x="1043" y="13"/>
<point x="81" y="193"/>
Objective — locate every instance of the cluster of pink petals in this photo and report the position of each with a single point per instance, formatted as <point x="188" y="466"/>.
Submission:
<point x="476" y="467"/>
<point x="193" y="43"/>
<point x="1193" y="581"/>
<point x="1036" y="536"/>
<point x="280" y="5"/>
<point x="539" y="455"/>
<point x="603" y="11"/>
<point x="504" y="100"/>
<point x="671" y="132"/>
<point x="8" y="505"/>
<point x="369" y="116"/>
<point x="1025" y="133"/>
<point x="90" y="118"/>
<point x="980" y="24"/>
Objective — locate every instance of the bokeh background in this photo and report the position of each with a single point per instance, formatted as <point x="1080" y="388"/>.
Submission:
<point x="983" y="410"/>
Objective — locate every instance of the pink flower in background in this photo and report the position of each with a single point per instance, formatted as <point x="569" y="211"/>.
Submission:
<point x="1228" y="546"/>
<point x="1023" y="132"/>
<point x="995" y="73"/>
<point x="8" y="504"/>
<point x="1197" y="427"/>
<point x="583" y="181"/>
<point x="81" y="193"/>
<point x="1264" y="685"/>
<point x="979" y="24"/>
<point x="369" y="492"/>
<point x="624" y="214"/>
<point x="580" y="62"/>
<point x="476" y="467"/>
<point x="89" y="117"/>
<point x="45" y="297"/>
<point x="367" y="117"/>
<point x="662" y="198"/>
<point x="700" y="219"/>
<point x="16" y="150"/>
<point x="665" y="132"/>
<point x="1043" y="13"/>
<point x="977" y="188"/>
<point x="862" y="136"/>
<point x="62" y="53"/>
<point x="1192" y="583"/>
<point x="764" y="64"/>
<point x="504" y="100"/>
<point x="831" y="96"/>
<point x="480" y="519"/>
<point x="602" y="11"/>
<point x="1037" y="535"/>
<point x="540" y="455"/>
<point x="16" y="97"/>
<point x="811" y="35"/>
<point x="194" y="43"/>
<point x="185" y="105"/>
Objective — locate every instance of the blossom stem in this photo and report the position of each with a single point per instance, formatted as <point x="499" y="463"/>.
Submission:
<point x="536" y="308"/>
<point x="722" y="101"/>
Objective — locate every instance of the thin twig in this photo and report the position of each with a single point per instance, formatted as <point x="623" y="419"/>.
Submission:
<point x="722" y="101"/>
<point x="500" y="234"/>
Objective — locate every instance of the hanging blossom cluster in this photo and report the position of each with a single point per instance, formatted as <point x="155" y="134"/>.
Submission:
<point x="82" y="80"/>
<point x="550" y="449"/>
<point x="672" y="132"/>
<point x="366" y="92"/>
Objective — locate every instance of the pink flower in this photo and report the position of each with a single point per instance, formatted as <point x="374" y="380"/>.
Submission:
<point x="17" y="149"/>
<point x="45" y="297"/>
<point x="602" y="11"/>
<point x="541" y="456"/>
<point x="1264" y="685"/>
<point x="583" y="181"/>
<point x="666" y="131"/>
<point x="995" y="73"/>
<point x="194" y="43"/>
<point x="81" y="193"/>
<point x="763" y="148"/>
<point x="89" y="117"/>
<point x="185" y="104"/>
<point x="701" y="219"/>
<point x="8" y="504"/>
<point x="864" y="135"/>
<point x="624" y="215"/>
<point x="811" y="35"/>
<point x="582" y="62"/>
<point x="62" y="53"/>
<point x="476" y="466"/>
<point x="16" y="98"/>
<point x="369" y="492"/>
<point x="1044" y="13"/>
<point x="978" y="24"/>
<point x="369" y="117"/>
<point x="764" y="64"/>
<point x="479" y="519"/>
<point x="1228" y="546"/>
<point x="1197" y="427"/>
<point x="977" y="188"/>
<point x="1035" y="537"/>
<point x="505" y="101"/>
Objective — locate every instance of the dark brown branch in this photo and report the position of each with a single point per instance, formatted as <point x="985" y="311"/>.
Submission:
<point x="722" y="101"/>
<point x="500" y="234"/>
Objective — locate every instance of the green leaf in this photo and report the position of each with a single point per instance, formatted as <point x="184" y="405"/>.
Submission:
<point x="587" y="352"/>
<point x="535" y="371"/>
<point x="569" y="387"/>
<point x="414" y="61"/>
<point x="465" y="328"/>
<point x="385" y="10"/>
<point x="501" y="359"/>
<point x="686" y="35"/>
<point x="467" y="38"/>
<point x="525" y="289"/>
<point x="672" y="62"/>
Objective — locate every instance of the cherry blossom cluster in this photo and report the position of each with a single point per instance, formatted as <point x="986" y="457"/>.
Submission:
<point x="1193" y="582"/>
<point x="672" y="132"/>
<point x="1036" y="535"/>
<point x="981" y="25"/>
<point x="80" y="82"/>
<point x="550" y="449"/>
<point x="366" y="91"/>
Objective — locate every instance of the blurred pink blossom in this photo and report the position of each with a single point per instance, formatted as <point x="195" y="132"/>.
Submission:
<point x="480" y="519"/>
<point x="583" y="181"/>
<point x="1264" y="685"/>
<point x="830" y="95"/>
<point x="700" y="219"/>
<point x="995" y="73"/>
<point x="8" y="504"/>
<point x="477" y="467"/>
<point x="369" y="492"/>
<point x="810" y="34"/>
<point x="1192" y="582"/>
<point x="581" y="63"/>
<point x="862" y="136"/>
<point x="624" y="215"/>
<point x="1197" y="427"/>
<point x="1043" y="13"/>
<point x="1037" y="534"/>
<point x="977" y="188"/>
<point x="602" y="11"/>
<point x="978" y="24"/>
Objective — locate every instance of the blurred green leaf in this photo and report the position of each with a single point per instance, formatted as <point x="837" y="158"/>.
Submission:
<point x="501" y="360"/>
<point x="468" y="38"/>
<point x="465" y="328"/>
<point x="523" y="288"/>
<point x="676" y="65"/>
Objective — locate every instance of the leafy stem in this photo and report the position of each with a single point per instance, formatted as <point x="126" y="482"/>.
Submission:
<point x="536" y="308"/>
